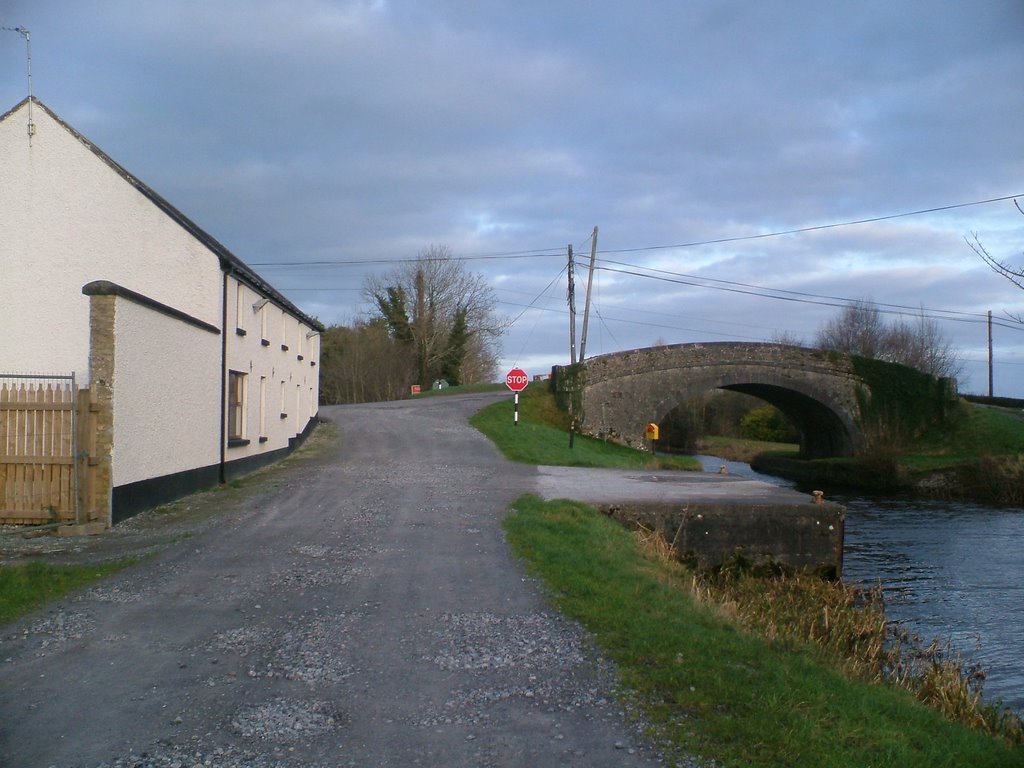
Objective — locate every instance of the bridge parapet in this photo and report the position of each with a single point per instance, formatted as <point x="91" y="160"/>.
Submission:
<point x="620" y="393"/>
<point x="676" y="356"/>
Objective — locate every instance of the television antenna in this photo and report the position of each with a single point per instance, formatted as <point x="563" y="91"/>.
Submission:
<point x="28" y="60"/>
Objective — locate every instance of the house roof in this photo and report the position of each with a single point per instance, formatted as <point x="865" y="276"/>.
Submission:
<point x="228" y="261"/>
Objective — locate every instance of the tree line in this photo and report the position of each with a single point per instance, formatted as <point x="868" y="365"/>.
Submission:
<point x="431" y="321"/>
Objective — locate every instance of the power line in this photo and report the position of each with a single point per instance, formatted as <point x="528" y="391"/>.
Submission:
<point x="555" y="251"/>
<point x="628" y="321"/>
<point x="814" y="228"/>
<point x="698" y="281"/>
<point x="890" y="309"/>
<point x="538" y="296"/>
<point x="802" y="294"/>
<point x="532" y="254"/>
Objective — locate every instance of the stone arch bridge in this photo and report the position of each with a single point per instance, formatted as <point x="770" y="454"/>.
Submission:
<point x="624" y="391"/>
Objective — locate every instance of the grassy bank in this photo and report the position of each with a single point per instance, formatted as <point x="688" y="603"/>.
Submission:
<point x="24" y="588"/>
<point x="802" y="682"/>
<point x="542" y="437"/>
<point x="713" y="689"/>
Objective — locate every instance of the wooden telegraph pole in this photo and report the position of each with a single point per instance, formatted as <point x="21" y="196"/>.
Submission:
<point x="990" y="353"/>
<point x="572" y="342"/>
<point x="586" y="302"/>
<point x="572" y="311"/>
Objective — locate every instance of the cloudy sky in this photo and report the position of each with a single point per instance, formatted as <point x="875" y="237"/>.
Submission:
<point x="320" y="139"/>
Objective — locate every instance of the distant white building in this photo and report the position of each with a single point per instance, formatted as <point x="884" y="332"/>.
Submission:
<point x="209" y="371"/>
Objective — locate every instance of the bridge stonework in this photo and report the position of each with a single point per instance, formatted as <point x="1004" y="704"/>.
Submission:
<point x="622" y="392"/>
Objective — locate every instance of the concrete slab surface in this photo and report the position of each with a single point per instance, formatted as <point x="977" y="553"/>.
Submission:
<point x="609" y="486"/>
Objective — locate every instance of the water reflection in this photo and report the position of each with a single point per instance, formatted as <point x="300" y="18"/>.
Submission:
<point x="951" y="571"/>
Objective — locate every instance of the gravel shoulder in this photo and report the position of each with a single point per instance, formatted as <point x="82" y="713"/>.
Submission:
<point x="354" y="605"/>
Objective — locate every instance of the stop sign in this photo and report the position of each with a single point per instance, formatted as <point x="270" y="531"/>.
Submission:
<point x="516" y="379"/>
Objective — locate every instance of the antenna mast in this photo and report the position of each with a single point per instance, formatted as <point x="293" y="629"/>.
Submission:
<point x="28" y="59"/>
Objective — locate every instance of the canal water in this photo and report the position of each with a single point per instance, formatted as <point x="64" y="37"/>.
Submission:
<point x="949" y="570"/>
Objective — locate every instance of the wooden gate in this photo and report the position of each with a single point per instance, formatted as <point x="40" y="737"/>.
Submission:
<point x="38" y="449"/>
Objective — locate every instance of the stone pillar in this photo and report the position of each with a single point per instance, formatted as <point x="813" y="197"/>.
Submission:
<point x="101" y="387"/>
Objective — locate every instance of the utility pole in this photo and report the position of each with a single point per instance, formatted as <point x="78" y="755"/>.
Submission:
<point x="990" y="353"/>
<point x="572" y="311"/>
<point x="572" y="343"/>
<point x="586" y="303"/>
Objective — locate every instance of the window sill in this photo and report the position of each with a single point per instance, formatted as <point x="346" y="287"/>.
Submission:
<point x="240" y="331"/>
<point x="237" y="442"/>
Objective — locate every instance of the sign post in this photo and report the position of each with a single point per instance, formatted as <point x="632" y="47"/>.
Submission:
<point x="516" y="380"/>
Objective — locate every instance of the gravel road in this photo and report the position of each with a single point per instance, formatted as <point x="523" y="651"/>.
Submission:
<point x="356" y="605"/>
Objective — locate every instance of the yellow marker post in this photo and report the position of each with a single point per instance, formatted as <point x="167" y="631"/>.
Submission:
<point x="651" y="433"/>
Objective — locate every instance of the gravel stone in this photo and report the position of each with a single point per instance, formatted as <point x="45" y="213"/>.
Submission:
<point x="284" y="720"/>
<point x="354" y="605"/>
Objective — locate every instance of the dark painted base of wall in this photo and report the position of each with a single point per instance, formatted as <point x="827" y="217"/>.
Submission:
<point x="133" y="498"/>
<point x="239" y="467"/>
<point x="130" y="499"/>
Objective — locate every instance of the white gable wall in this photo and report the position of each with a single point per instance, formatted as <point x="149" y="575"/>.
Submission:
<point x="166" y="403"/>
<point x="68" y="218"/>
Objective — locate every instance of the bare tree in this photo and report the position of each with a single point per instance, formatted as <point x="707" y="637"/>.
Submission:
<point x="921" y="344"/>
<point x="860" y="330"/>
<point x="1014" y="274"/>
<point x="442" y="314"/>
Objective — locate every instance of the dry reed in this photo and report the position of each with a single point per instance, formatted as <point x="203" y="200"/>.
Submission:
<point x="848" y="624"/>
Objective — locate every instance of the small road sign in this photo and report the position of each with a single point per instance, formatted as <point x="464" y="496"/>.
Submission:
<point x="516" y="380"/>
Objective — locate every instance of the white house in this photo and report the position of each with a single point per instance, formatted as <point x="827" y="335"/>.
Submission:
<point x="209" y="371"/>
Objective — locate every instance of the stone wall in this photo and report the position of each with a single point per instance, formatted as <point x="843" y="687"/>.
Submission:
<point x="623" y="392"/>
<point x="801" y="537"/>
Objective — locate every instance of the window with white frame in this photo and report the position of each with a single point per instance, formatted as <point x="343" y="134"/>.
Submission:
<point x="239" y="314"/>
<point x="263" y="409"/>
<point x="236" y="407"/>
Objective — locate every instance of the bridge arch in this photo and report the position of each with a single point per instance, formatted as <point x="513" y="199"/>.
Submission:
<point x="817" y="391"/>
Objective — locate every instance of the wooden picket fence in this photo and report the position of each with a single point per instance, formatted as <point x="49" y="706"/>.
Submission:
<point x="46" y="432"/>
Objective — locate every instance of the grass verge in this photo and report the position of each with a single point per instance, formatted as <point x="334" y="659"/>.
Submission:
<point x="24" y="588"/>
<point x="542" y="437"/>
<point x="712" y="689"/>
